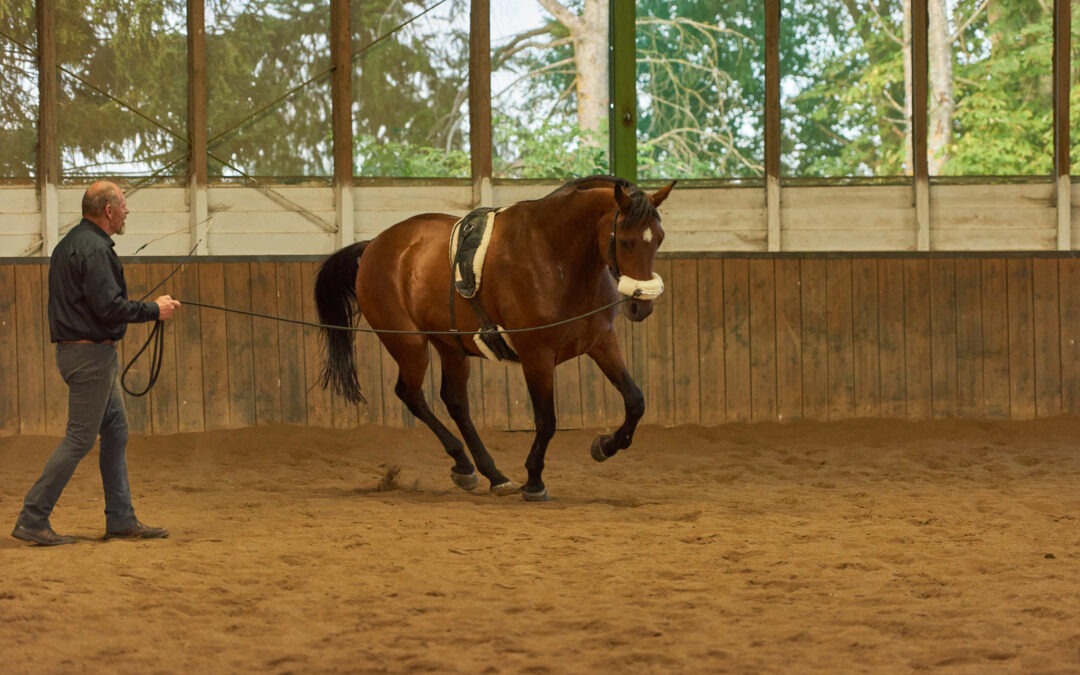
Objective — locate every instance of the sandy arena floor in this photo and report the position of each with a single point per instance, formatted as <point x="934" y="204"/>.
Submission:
<point x="865" y="546"/>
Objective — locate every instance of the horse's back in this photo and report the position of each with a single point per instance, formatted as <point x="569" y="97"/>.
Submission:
<point x="404" y="268"/>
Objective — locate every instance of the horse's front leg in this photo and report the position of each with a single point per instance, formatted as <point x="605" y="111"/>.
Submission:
<point x="608" y="356"/>
<point x="540" y="377"/>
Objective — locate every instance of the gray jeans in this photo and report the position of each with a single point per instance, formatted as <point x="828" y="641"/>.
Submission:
<point x="95" y="406"/>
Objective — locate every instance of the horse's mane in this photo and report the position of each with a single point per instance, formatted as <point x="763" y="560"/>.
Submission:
<point x="640" y="205"/>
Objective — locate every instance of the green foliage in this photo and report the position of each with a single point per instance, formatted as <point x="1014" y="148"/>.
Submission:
<point x="389" y="158"/>
<point x="700" y="82"/>
<point x="700" y="78"/>
<point x="557" y="149"/>
<point x="1004" y="116"/>
<point x="18" y="90"/>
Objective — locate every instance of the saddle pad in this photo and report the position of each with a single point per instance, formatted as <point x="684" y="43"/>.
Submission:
<point x="469" y="241"/>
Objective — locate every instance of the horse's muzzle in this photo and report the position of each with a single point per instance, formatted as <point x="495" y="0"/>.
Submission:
<point x="637" y="310"/>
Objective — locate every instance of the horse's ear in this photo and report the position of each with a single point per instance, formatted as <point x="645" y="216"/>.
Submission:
<point x="658" y="197"/>
<point x="621" y="198"/>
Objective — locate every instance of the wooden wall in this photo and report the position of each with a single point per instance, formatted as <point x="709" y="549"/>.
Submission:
<point x="735" y="338"/>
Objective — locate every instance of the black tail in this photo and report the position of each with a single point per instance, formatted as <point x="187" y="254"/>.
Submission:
<point x="335" y="297"/>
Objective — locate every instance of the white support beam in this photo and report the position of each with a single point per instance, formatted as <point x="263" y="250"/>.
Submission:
<point x="1064" y="214"/>
<point x="772" y="208"/>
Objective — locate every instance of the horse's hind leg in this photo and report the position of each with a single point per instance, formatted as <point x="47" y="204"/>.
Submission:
<point x="455" y="394"/>
<point x="412" y="358"/>
<point x="607" y="355"/>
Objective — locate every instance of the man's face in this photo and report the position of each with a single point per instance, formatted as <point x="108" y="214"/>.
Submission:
<point x="116" y="214"/>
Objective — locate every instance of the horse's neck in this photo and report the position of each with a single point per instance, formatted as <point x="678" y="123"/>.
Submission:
<point x="574" y="235"/>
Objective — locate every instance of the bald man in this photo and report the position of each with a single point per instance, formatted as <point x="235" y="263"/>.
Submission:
<point x="88" y="313"/>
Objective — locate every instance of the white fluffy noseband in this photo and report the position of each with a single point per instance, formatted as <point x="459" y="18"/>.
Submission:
<point x="645" y="290"/>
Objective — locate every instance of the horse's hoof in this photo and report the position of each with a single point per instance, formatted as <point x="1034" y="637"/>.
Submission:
<point x="597" y="450"/>
<point x="541" y="496"/>
<point x="465" y="481"/>
<point x="504" y="489"/>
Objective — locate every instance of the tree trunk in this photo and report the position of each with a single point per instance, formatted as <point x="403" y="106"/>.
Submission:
<point x="942" y="103"/>
<point x="589" y="33"/>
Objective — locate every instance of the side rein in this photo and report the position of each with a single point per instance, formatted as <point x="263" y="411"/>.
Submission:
<point x="645" y="290"/>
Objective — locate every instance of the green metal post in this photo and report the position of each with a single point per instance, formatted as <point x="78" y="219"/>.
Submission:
<point x="623" y="123"/>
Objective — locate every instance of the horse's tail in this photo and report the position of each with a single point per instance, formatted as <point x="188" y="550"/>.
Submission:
<point x="335" y="297"/>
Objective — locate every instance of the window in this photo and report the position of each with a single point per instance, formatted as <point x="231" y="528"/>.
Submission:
<point x="124" y="89"/>
<point x="411" y="89"/>
<point x="701" y="89"/>
<point x="549" y="89"/>
<point x="843" y="97"/>
<point x="18" y="90"/>
<point x="258" y="122"/>
<point x="991" y="103"/>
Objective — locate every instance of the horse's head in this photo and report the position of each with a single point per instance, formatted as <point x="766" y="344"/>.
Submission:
<point x="629" y="241"/>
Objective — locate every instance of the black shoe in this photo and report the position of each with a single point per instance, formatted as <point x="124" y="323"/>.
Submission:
<point x="139" y="531"/>
<point x="44" y="537"/>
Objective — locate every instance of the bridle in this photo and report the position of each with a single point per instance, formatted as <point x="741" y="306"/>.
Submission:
<point x="613" y="260"/>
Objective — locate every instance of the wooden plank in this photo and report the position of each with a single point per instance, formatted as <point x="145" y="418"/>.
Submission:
<point x="864" y="303"/>
<point x="593" y="384"/>
<point x="265" y="343"/>
<point x="496" y="410"/>
<point x="685" y="331"/>
<point x="710" y="311"/>
<point x="737" y="339"/>
<point x="9" y="367"/>
<point x="476" y="393"/>
<point x="917" y="338"/>
<point x="943" y="376"/>
<point x="319" y="407"/>
<point x="841" y="359"/>
<point x="789" y="386"/>
<point x="519" y="405"/>
<point x="660" y="362"/>
<point x="189" y="348"/>
<point x="815" y="338"/>
<point x="164" y="409"/>
<point x="138" y="407"/>
<point x="613" y="400"/>
<point x="891" y="341"/>
<point x="241" y="362"/>
<point x="56" y="392"/>
<point x="394" y="412"/>
<point x="567" y="395"/>
<point x="969" y="339"/>
<point x="32" y="346"/>
<point x="638" y="353"/>
<point x="1021" y="339"/>
<point x="1069" y="289"/>
<point x="369" y="366"/>
<point x="1047" y="325"/>
<point x="995" y="332"/>
<point x="762" y="278"/>
<point x="215" y="346"/>
<point x="291" y="343"/>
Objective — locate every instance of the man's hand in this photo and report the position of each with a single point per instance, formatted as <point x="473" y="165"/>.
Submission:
<point x="166" y="307"/>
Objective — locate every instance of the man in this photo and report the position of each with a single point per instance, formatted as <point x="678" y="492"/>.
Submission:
<point x="88" y="313"/>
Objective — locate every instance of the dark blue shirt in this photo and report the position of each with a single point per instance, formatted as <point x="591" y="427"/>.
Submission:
<point x="87" y="292"/>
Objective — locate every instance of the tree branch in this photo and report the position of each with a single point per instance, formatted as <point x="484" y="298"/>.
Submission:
<point x="962" y="27"/>
<point x="564" y="16"/>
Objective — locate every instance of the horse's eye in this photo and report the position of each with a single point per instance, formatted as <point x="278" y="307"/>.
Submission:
<point x="625" y="244"/>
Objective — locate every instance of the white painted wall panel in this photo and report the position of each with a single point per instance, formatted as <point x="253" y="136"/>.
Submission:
<point x="20" y="223"/>
<point x="18" y="199"/>
<point x="837" y="218"/>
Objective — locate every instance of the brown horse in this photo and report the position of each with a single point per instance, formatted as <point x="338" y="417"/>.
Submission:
<point x="548" y="260"/>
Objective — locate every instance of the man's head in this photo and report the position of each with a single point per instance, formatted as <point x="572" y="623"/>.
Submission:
<point x="104" y="204"/>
